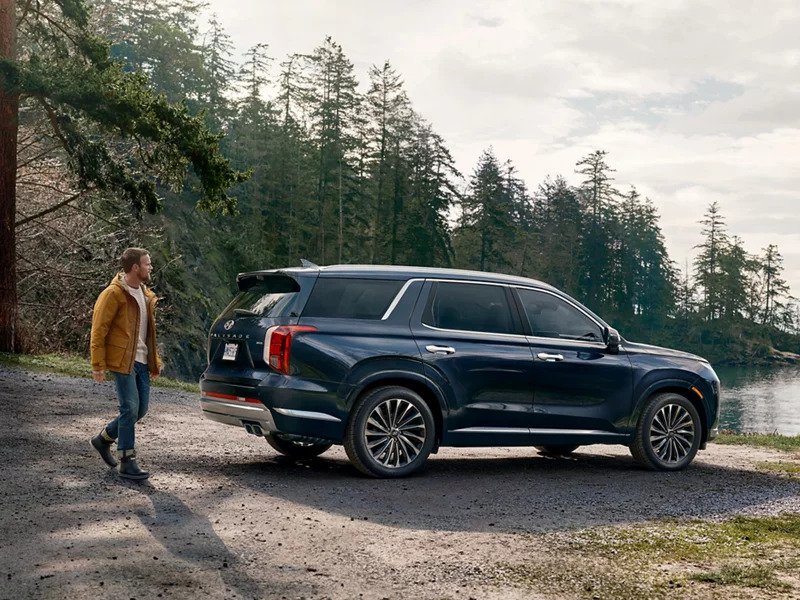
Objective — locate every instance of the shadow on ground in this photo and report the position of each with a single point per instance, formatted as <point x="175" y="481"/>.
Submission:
<point x="463" y="492"/>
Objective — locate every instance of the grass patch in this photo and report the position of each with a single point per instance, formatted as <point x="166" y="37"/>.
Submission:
<point x="790" y="468"/>
<point x="757" y="577"/>
<point x="766" y="440"/>
<point x="65" y="364"/>
<point x="76" y="366"/>
<point x="695" y="540"/>
<point x="661" y="560"/>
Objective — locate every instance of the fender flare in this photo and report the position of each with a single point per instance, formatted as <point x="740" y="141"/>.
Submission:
<point x="665" y="384"/>
<point x="393" y="375"/>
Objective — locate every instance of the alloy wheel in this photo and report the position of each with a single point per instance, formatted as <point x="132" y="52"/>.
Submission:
<point x="395" y="433"/>
<point x="672" y="433"/>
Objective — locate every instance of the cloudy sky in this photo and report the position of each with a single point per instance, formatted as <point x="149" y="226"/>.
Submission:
<point x="694" y="101"/>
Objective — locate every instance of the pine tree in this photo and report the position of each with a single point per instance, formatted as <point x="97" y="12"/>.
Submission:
<point x="775" y="287"/>
<point x="736" y="267"/>
<point x="332" y="100"/>
<point x="596" y="185"/>
<point x="219" y="76"/>
<point x="707" y="264"/>
<point x="487" y="231"/>
<point x="600" y="252"/>
<point x="432" y="195"/>
<point x="560" y="221"/>
<point x="389" y="117"/>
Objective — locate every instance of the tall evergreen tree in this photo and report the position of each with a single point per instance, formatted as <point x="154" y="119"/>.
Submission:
<point x="600" y="254"/>
<point x="707" y="264"/>
<point x="219" y="75"/>
<point x="488" y="231"/>
<point x="736" y="266"/>
<point x="390" y="117"/>
<point x="333" y="101"/>
<point x="433" y="194"/>
<point x="647" y="292"/>
<point x="560" y="222"/>
<point x="775" y="287"/>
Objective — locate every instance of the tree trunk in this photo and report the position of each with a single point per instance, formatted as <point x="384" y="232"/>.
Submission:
<point x="9" y="113"/>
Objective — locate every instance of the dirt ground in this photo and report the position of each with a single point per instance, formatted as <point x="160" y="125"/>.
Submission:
<point x="224" y="516"/>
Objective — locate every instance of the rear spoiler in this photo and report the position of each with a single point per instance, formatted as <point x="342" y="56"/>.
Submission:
<point x="285" y="280"/>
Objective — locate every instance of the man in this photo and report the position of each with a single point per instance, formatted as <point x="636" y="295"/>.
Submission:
<point x="124" y="342"/>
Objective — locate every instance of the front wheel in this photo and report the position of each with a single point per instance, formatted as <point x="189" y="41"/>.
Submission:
<point x="391" y="432"/>
<point x="668" y="433"/>
<point x="296" y="449"/>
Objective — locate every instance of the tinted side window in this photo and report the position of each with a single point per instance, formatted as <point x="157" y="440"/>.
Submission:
<point x="551" y="316"/>
<point x="351" y="298"/>
<point x="469" y="307"/>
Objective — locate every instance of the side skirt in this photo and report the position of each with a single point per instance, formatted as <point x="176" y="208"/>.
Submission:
<point x="519" y="436"/>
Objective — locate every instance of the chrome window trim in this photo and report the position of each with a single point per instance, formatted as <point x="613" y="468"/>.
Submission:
<point x="307" y="414"/>
<point x="599" y="344"/>
<point x="399" y="297"/>
<point x="573" y="305"/>
<point x="471" y="332"/>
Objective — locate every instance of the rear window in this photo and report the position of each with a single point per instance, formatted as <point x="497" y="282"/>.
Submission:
<point x="351" y="298"/>
<point x="268" y="297"/>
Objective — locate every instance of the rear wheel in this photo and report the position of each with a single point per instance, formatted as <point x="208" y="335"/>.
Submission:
<point x="561" y="450"/>
<point x="668" y="433"/>
<point x="296" y="449"/>
<point x="391" y="432"/>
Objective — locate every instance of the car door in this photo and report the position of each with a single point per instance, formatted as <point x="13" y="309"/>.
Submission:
<point x="579" y="384"/>
<point x="472" y="345"/>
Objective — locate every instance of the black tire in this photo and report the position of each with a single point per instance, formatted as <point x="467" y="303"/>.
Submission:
<point x="668" y="433"/>
<point x="390" y="433"/>
<point x="562" y="450"/>
<point x="296" y="449"/>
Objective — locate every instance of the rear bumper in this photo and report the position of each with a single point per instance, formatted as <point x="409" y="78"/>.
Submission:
<point x="237" y="412"/>
<point x="274" y="410"/>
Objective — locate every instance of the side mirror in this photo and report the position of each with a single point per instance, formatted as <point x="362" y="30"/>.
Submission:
<point x="612" y="340"/>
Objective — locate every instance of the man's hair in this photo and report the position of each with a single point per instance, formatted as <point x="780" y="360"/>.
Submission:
<point x="131" y="257"/>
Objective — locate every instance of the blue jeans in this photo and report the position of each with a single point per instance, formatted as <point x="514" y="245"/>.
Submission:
<point x="133" y="392"/>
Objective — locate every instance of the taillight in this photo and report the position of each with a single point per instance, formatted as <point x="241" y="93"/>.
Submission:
<point x="277" y="345"/>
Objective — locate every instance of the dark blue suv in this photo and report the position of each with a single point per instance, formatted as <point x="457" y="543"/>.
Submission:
<point x="393" y="362"/>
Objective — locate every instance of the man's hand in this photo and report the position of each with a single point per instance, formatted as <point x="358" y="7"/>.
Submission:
<point x="99" y="376"/>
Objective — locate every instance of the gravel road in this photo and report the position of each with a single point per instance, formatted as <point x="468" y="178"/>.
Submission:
<point x="224" y="516"/>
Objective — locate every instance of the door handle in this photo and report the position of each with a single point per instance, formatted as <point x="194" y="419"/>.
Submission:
<point x="549" y="357"/>
<point x="440" y="349"/>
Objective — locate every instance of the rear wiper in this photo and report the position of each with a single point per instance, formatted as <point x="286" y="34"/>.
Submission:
<point x="243" y="312"/>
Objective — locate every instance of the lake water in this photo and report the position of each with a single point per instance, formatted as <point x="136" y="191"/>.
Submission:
<point x="760" y="399"/>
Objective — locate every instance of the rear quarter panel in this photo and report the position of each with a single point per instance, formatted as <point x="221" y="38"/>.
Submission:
<point x="346" y="355"/>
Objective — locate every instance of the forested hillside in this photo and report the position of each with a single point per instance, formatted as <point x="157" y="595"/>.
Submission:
<point x="341" y="170"/>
